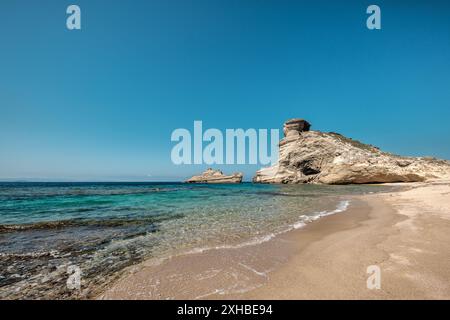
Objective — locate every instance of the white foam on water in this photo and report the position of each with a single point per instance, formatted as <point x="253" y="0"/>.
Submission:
<point x="261" y="274"/>
<point x="304" y="220"/>
<point x="252" y="242"/>
<point x="299" y="225"/>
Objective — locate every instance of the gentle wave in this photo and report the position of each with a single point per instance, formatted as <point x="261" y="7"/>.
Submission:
<point x="341" y="207"/>
<point x="89" y="226"/>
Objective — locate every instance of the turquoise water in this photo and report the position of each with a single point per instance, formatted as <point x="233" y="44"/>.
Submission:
<point x="104" y="227"/>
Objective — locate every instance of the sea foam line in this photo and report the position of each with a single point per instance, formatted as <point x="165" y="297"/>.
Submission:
<point x="341" y="207"/>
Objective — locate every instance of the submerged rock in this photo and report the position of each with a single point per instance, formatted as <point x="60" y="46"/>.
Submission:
<point x="215" y="176"/>
<point x="317" y="157"/>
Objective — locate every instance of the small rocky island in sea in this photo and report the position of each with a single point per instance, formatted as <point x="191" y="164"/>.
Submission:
<point x="330" y="158"/>
<point x="215" y="176"/>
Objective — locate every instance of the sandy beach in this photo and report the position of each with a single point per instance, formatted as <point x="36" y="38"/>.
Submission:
<point x="405" y="233"/>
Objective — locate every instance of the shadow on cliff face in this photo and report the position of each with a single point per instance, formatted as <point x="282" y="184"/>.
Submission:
<point x="330" y="158"/>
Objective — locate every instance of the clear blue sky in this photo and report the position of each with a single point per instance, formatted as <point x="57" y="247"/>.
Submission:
<point x="101" y="103"/>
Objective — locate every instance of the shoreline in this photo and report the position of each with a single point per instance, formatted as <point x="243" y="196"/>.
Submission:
<point x="326" y="259"/>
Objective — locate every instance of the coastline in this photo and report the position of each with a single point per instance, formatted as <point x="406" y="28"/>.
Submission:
<point x="405" y="233"/>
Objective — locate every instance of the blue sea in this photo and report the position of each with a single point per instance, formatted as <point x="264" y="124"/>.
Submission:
<point x="102" y="228"/>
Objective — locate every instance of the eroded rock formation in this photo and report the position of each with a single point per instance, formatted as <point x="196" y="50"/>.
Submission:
<point x="316" y="157"/>
<point x="215" y="176"/>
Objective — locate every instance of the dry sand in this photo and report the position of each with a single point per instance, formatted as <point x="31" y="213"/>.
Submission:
<point x="406" y="234"/>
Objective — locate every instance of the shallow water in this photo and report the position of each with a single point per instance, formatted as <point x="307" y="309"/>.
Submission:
<point x="104" y="227"/>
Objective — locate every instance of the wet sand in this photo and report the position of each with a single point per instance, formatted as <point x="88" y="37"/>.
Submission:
<point x="406" y="234"/>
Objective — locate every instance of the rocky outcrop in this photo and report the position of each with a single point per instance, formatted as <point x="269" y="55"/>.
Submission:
<point x="215" y="176"/>
<point x="316" y="157"/>
<point x="294" y="127"/>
